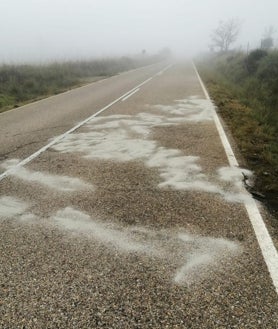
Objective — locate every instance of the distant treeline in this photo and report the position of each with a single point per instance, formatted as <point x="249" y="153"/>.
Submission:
<point x="22" y="83"/>
<point x="245" y="90"/>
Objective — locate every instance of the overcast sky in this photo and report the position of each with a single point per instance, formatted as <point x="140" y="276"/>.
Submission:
<point x="39" y="30"/>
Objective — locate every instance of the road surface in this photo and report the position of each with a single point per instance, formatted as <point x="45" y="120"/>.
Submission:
<point x="135" y="218"/>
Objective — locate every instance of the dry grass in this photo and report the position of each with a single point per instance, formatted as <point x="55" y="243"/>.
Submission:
<point x="20" y="84"/>
<point x="257" y="142"/>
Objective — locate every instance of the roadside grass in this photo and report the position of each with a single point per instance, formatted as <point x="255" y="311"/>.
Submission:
<point x="245" y="91"/>
<point x="20" y="84"/>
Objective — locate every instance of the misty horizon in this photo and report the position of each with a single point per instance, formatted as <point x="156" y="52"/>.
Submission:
<point x="60" y="30"/>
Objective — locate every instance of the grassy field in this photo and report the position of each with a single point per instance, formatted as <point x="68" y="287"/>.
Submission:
<point x="245" y="90"/>
<point x="20" y="84"/>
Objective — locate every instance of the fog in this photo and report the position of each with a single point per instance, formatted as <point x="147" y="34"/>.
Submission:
<point x="46" y="30"/>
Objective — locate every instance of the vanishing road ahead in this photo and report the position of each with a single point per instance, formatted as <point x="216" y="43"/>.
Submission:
<point x="122" y="206"/>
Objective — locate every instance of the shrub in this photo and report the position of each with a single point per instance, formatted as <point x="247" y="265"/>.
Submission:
<point x="253" y="60"/>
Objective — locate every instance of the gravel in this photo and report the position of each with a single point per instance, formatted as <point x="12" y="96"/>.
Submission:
<point x="52" y="277"/>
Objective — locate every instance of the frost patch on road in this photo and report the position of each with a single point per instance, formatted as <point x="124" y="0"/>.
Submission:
<point x="193" y="109"/>
<point x="180" y="172"/>
<point x="233" y="178"/>
<point x="234" y="175"/>
<point x="208" y="253"/>
<point x="28" y="218"/>
<point x="115" y="145"/>
<point x="194" y="257"/>
<point x="107" y="234"/>
<point x="125" y="138"/>
<point x="60" y="183"/>
<point x="11" y="207"/>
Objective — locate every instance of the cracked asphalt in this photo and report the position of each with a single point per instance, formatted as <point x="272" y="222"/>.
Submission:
<point x="127" y="222"/>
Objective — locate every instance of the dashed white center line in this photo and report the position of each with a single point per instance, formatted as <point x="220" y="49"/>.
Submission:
<point x="132" y="93"/>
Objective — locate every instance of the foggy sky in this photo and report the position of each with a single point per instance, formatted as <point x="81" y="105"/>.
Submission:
<point x="40" y="30"/>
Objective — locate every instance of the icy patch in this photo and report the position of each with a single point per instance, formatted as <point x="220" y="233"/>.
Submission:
<point x="176" y="170"/>
<point x="28" y="217"/>
<point x="116" y="146"/>
<point x="209" y="252"/>
<point x="192" y="266"/>
<point x="239" y="197"/>
<point x="10" y="207"/>
<point x="77" y="221"/>
<point x="234" y="175"/>
<point x="125" y="138"/>
<point x="192" y="109"/>
<point x="60" y="183"/>
<point x="193" y="256"/>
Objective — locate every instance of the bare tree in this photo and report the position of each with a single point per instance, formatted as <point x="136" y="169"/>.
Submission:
<point x="225" y="34"/>
<point x="267" y="40"/>
<point x="268" y="33"/>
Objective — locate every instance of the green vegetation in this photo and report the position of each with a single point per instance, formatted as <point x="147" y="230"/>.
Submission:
<point x="245" y="90"/>
<point x="22" y="83"/>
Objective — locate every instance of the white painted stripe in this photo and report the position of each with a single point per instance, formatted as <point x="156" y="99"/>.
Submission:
<point x="263" y="237"/>
<point x="59" y="138"/>
<point x="127" y="97"/>
<point x="162" y="71"/>
<point x="228" y="149"/>
<point x="266" y="244"/>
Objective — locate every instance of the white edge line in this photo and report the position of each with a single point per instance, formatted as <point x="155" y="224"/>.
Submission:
<point x="263" y="237"/>
<point x="60" y="137"/>
<point x="127" y="97"/>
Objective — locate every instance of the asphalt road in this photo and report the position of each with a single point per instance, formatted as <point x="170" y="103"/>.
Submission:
<point x="136" y="219"/>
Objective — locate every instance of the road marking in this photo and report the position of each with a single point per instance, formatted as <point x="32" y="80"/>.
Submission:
<point x="263" y="237"/>
<point x="80" y="124"/>
<point x="162" y="71"/>
<point x="134" y="92"/>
